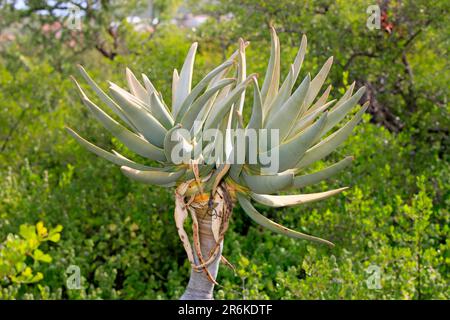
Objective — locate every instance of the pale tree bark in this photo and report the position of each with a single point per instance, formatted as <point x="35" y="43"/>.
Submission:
<point x="199" y="286"/>
<point x="210" y="214"/>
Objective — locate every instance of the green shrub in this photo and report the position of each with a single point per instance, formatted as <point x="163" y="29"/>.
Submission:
<point x="20" y="255"/>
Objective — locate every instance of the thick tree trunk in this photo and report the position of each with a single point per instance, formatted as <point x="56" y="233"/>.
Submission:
<point x="199" y="286"/>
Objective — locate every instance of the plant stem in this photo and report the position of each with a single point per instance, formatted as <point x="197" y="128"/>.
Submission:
<point x="199" y="287"/>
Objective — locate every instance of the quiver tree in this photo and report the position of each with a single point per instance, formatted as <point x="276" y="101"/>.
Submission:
<point x="206" y="178"/>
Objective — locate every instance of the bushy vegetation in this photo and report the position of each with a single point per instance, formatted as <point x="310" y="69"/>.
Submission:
<point x="393" y="220"/>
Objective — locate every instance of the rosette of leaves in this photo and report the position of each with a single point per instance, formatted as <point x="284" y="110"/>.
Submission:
<point x="207" y="184"/>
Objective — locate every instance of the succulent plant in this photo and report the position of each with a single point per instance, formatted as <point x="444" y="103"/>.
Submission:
<point x="208" y="190"/>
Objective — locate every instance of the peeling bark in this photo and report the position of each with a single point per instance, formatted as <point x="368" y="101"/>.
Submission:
<point x="199" y="286"/>
<point x="210" y="215"/>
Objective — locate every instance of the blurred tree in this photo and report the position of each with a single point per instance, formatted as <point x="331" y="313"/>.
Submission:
<point x="388" y="60"/>
<point x="53" y="27"/>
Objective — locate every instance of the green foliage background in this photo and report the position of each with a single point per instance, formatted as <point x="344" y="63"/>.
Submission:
<point x="121" y="234"/>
